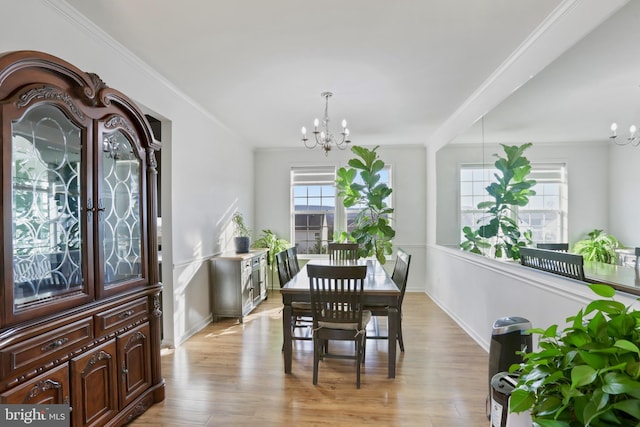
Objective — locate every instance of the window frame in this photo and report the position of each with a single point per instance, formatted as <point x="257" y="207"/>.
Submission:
<point x="538" y="169"/>
<point x="340" y="214"/>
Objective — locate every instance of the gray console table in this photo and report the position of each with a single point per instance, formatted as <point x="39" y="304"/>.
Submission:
<point x="239" y="283"/>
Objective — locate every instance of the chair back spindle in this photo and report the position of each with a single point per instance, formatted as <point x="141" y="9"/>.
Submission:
<point x="343" y="251"/>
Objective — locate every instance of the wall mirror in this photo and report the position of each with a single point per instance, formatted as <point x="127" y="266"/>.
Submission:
<point x="566" y="111"/>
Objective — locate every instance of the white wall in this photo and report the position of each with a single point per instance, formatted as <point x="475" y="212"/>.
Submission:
<point x="624" y="203"/>
<point x="476" y="290"/>
<point x="587" y="174"/>
<point x="203" y="154"/>
<point x="272" y="196"/>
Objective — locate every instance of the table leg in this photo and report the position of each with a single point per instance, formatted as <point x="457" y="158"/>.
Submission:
<point x="393" y="335"/>
<point x="286" y="333"/>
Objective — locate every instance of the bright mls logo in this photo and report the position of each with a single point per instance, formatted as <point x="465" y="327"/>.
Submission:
<point x="35" y="415"/>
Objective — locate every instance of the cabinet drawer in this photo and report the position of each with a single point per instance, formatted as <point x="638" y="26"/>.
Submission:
<point x="111" y="320"/>
<point x="36" y="350"/>
<point x="50" y="388"/>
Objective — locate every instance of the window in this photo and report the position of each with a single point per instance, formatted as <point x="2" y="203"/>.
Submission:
<point x="316" y="211"/>
<point x="313" y="208"/>
<point x="385" y="178"/>
<point x="546" y="212"/>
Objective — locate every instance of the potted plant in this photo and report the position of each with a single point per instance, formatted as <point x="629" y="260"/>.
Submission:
<point x="268" y="239"/>
<point x="588" y="374"/>
<point x="372" y="229"/>
<point x="242" y="234"/>
<point x="599" y="246"/>
<point x="500" y="230"/>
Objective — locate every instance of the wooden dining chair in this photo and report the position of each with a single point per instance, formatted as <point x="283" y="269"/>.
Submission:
<point x="301" y="311"/>
<point x="562" y="263"/>
<point x="342" y="251"/>
<point x="282" y="264"/>
<point x="561" y="247"/>
<point x="336" y="304"/>
<point x="399" y="277"/>
<point x="292" y="259"/>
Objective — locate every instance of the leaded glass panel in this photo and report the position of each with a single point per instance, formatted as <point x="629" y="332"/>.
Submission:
<point x="122" y="243"/>
<point x="46" y="153"/>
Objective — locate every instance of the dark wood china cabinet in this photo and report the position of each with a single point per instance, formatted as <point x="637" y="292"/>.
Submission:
<point x="80" y="321"/>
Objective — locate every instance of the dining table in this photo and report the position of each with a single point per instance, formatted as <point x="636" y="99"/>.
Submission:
<point x="378" y="289"/>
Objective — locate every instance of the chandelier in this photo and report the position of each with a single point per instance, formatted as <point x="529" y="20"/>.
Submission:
<point x="111" y="146"/>
<point x="632" y="139"/>
<point x="324" y="138"/>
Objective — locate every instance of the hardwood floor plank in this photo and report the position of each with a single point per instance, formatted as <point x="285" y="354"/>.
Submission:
<point x="232" y="373"/>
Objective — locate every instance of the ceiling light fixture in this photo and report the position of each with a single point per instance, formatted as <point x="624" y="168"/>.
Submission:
<point x="632" y="139"/>
<point x="324" y="138"/>
<point x="111" y="146"/>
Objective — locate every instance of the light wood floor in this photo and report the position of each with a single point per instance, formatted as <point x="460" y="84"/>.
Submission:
<point x="232" y="374"/>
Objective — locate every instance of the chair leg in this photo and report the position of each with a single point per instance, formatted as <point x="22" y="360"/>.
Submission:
<point x="317" y="344"/>
<point x="400" y="335"/>
<point x="364" y="347"/>
<point x="358" y="361"/>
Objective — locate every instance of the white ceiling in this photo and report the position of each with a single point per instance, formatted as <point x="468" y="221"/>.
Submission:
<point x="402" y="71"/>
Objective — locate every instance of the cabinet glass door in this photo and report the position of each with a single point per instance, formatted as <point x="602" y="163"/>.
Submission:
<point x="122" y="239"/>
<point x="46" y="156"/>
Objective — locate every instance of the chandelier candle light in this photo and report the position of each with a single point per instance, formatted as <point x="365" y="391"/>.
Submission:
<point x="632" y="139"/>
<point x="324" y="138"/>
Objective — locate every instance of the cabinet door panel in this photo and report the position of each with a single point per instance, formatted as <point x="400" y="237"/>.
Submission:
<point x="121" y="204"/>
<point x="95" y="393"/>
<point x="48" y="196"/>
<point x="50" y="388"/>
<point x="135" y="363"/>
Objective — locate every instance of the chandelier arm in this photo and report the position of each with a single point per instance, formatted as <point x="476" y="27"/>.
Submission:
<point x="310" y="146"/>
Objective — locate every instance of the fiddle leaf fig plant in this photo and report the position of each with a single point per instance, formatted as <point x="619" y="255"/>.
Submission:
<point x="500" y="230"/>
<point x="588" y="374"/>
<point x="372" y="226"/>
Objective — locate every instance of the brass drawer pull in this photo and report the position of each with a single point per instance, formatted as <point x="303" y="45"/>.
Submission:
<point x="54" y="344"/>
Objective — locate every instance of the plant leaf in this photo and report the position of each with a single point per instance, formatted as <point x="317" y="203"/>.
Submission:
<point x="521" y="400"/>
<point x="582" y="375"/>
<point x="604" y="291"/>
<point x="631" y="407"/>
<point x="627" y="345"/>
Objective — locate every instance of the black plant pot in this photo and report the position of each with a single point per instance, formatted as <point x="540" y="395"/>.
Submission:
<point x="242" y="244"/>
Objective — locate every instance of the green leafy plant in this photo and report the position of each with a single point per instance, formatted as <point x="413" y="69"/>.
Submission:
<point x="239" y="227"/>
<point x="372" y="229"/>
<point x="268" y="239"/>
<point x="599" y="246"/>
<point x="500" y="230"/>
<point x="588" y="374"/>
